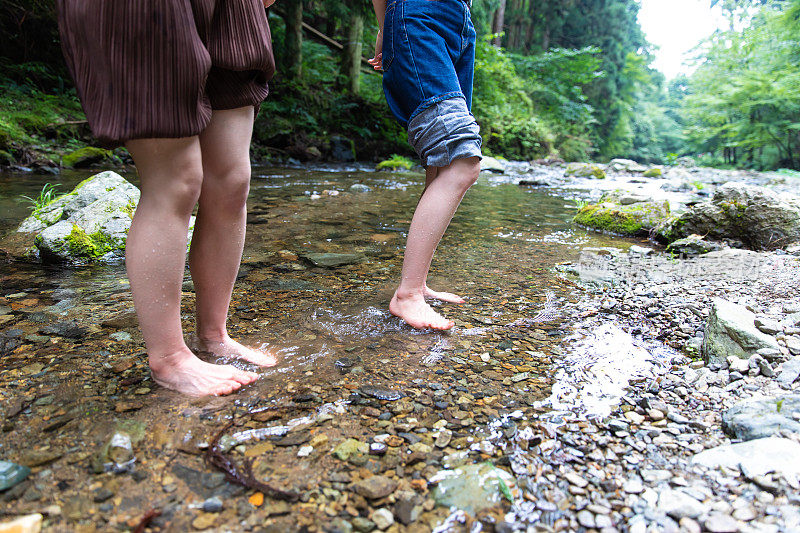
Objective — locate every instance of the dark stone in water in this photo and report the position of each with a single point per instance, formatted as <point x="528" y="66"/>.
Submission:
<point x="381" y="393"/>
<point x="8" y="344"/>
<point x="213" y="505"/>
<point x="440" y="405"/>
<point x="410" y="437"/>
<point x="332" y="260"/>
<point x="305" y="397"/>
<point x="344" y="364"/>
<point x="65" y="328"/>
<point x="278" y="284"/>
<point x="294" y="439"/>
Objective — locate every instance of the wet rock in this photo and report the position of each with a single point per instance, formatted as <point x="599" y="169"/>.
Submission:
<point x="759" y="217"/>
<point x="443" y="438"/>
<point x="23" y="524"/>
<point x="731" y="331"/>
<point x="204" y="521"/>
<point x="360" y="187"/>
<point x="363" y="525"/>
<point x="383" y="518"/>
<point x="583" y="170"/>
<point x="693" y="245"/>
<point x="755" y="419"/>
<point x="491" y="164"/>
<point x="332" y="260"/>
<point x="33" y="458"/>
<point x="348" y="448"/>
<point x="12" y="474"/>
<point x="408" y="508"/>
<point x="117" y="455"/>
<point x="375" y="487"/>
<point x="756" y="457"/>
<point x="381" y="393"/>
<point x="65" y="328"/>
<point x="472" y="488"/>
<point x="213" y="505"/>
<point x="102" y="494"/>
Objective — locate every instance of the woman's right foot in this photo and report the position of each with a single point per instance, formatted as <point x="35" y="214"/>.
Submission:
<point x="417" y="313"/>
<point x="184" y="372"/>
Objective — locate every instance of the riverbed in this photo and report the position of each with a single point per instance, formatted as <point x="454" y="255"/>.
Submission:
<point x="357" y="395"/>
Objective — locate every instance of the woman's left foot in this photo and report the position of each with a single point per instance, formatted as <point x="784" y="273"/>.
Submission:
<point x="231" y="349"/>
<point x="448" y="297"/>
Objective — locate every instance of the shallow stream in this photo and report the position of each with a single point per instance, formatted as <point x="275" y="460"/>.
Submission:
<point x="74" y="370"/>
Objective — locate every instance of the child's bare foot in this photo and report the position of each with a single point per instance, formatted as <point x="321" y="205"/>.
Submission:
<point x="229" y="348"/>
<point x="417" y="313"/>
<point x="448" y="297"/>
<point x="185" y="373"/>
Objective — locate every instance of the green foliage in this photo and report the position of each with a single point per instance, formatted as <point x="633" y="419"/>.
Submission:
<point x="396" y="162"/>
<point x="743" y="105"/>
<point x="29" y="116"/>
<point x="46" y="195"/>
<point x="531" y="107"/>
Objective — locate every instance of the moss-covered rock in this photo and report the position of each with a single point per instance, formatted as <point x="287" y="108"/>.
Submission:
<point x="653" y="173"/>
<point x="693" y="245"/>
<point x="760" y="218"/>
<point x="634" y="219"/>
<point x="584" y="170"/>
<point x="88" y="156"/>
<point x="88" y="224"/>
<point x="396" y="162"/>
<point x="68" y="242"/>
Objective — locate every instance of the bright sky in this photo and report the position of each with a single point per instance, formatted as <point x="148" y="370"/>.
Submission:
<point x="675" y="27"/>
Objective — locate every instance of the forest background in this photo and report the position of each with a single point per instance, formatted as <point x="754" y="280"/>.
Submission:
<point x="569" y="79"/>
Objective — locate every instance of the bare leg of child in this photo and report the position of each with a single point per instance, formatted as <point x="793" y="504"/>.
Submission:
<point x="434" y="211"/>
<point x="219" y="231"/>
<point x="171" y="176"/>
<point x="430" y="175"/>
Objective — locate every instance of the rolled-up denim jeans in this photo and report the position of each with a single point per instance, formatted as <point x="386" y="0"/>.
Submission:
<point x="429" y="65"/>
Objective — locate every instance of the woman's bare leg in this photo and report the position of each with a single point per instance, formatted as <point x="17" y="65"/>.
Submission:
<point x="219" y="230"/>
<point x="435" y="209"/>
<point x="171" y="176"/>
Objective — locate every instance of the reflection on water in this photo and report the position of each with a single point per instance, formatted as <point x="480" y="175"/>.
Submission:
<point x="599" y="367"/>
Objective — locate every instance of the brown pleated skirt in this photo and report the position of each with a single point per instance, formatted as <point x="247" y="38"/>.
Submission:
<point x="157" y="68"/>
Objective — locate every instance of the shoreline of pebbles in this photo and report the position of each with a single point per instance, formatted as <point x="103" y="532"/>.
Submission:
<point x="707" y="443"/>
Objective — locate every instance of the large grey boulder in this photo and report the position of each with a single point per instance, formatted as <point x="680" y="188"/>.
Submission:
<point x="755" y="419"/>
<point x="88" y="224"/>
<point x="759" y="217"/>
<point x="731" y="331"/>
<point x="755" y="457"/>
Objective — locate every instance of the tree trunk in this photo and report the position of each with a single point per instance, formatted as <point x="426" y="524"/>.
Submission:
<point x="351" y="55"/>
<point x="499" y="22"/>
<point x="293" y="43"/>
